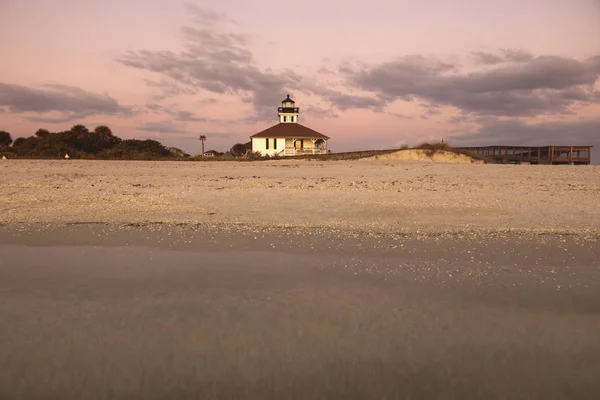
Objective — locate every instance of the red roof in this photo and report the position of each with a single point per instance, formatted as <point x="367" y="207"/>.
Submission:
<point x="289" y="130"/>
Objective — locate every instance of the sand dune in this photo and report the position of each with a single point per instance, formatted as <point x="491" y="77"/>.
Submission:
<point x="421" y="155"/>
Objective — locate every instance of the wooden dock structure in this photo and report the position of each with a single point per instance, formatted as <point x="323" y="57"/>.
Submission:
<point x="549" y="155"/>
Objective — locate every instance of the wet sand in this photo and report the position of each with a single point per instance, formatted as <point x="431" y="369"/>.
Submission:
<point x="109" y="311"/>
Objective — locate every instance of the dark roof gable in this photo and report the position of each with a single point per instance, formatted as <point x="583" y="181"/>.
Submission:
<point x="289" y="130"/>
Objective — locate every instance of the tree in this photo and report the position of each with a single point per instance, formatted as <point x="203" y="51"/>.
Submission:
<point x="79" y="129"/>
<point x="177" y="152"/>
<point x="80" y="138"/>
<point x="136" y="149"/>
<point x="42" y="133"/>
<point x="28" y="146"/>
<point x="238" y="150"/>
<point x="5" y="139"/>
<point x="19" y="141"/>
<point x="101" y="139"/>
<point x="103" y="130"/>
<point x="79" y="142"/>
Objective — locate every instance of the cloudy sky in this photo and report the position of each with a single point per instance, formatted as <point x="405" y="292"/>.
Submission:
<point x="370" y="74"/>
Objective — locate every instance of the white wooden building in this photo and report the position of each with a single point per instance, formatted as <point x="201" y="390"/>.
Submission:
<point x="288" y="137"/>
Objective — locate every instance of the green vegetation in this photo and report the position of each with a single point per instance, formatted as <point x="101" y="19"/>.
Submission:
<point x="79" y="142"/>
<point x="431" y="148"/>
<point x="238" y="150"/>
<point x="5" y="140"/>
<point x="250" y="156"/>
<point x="101" y="144"/>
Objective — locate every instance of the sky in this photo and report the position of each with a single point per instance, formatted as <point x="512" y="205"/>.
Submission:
<point x="370" y="74"/>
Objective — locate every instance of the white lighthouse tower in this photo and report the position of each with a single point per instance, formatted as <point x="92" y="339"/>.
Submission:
<point x="288" y="113"/>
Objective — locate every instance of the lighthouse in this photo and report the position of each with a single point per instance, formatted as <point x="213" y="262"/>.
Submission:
<point x="288" y="137"/>
<point x="288" y="112"/>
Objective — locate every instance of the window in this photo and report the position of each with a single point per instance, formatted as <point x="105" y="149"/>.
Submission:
<point x="284" y="118"/>
<point x="267" y="143"/>
<point x="275" y="144"/>
<point x="292" y="119"/>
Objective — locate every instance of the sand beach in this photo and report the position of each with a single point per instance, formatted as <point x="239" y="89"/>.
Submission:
<point x="367" y="195"/>
<point x="298" y="279"/>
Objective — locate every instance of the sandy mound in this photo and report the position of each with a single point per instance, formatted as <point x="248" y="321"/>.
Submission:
<point x="441" y="156"/>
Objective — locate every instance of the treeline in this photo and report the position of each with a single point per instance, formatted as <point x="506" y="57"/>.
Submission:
<point x="80" y="142"/>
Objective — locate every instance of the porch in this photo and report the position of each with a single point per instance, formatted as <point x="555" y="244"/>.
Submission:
<point x="304" y="146"/>
<point x="291" y="151"/>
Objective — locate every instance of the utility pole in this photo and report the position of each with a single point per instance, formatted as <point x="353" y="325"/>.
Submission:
<point x="202" y="139"/>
